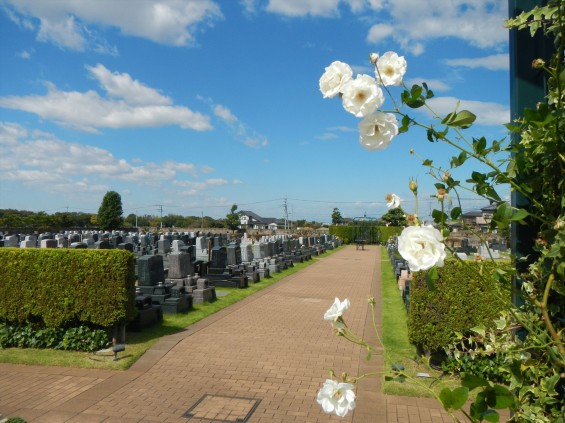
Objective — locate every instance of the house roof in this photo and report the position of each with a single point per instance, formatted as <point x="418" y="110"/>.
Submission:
<point x="264" y="220"/>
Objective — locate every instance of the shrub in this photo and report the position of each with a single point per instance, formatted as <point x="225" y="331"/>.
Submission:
<point x="66" y="287"/>
<point x="461" y="299"/>
<point x="81" y="338"/>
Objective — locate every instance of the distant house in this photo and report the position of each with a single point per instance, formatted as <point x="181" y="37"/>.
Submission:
<point x="250" y="220"/>
<point x="479" y="218"/>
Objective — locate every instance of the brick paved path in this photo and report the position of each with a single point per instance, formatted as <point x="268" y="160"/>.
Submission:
<point x="261" y="360"/>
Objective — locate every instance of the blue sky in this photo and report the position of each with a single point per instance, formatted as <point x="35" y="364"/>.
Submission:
<point x="197" y="105"/>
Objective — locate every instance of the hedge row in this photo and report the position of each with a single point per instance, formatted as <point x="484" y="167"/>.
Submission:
<point x="375" y="234"/>
<point x="66" y="287"/>
<point x="460" y="300"/>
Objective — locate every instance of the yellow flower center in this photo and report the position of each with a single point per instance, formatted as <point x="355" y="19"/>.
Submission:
<point x="337" y="395"/>
<point x="360" y="96"/>
<point x="388" y="70"/>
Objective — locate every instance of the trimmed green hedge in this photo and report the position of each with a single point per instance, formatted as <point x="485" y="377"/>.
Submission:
<point x="461" y="300"/>
<point x="65" y="287"/>
<point x="377" y="234"/>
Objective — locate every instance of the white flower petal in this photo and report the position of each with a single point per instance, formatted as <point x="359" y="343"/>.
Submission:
<point x="377" y="130"/>
<point x="336" y="310"/>
<point x="390" y="68"/>
<point x="422" y="247"/>
<point x="394" y="201"/>
<point x="362" y="96"/>
<point x="333" y="79"/>
<point x="335" y="397"/>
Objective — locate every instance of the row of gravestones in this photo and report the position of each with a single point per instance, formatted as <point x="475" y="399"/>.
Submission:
<point x="175" y="288"/>
<point x="150" y="243"/>
<point x="401" y="270"/>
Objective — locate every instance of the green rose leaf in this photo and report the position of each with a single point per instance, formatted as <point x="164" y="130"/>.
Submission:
<point x="490" y="416"/>
<point x="462" y="119"/>
<point x="471" y="381"/>
<point x="503" y="397"/>
<point x="454" y="399"/>
<point x="521" y="214"/>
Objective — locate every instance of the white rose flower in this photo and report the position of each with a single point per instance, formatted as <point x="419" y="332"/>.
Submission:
<point x="335" y="397"/>
<point x="336" y="310"/>
<point x="422" y="247"/>
<point x="376" y="131"/>
<point x="393" y="201"/>
<point x="362" y="96"/>
<point x="390" y="68"/>
<point x="336" y="75"/>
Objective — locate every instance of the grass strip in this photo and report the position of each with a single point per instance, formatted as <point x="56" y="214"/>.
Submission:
<point x="398" y="348"/>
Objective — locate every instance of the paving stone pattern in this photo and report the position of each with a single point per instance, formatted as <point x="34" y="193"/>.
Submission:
<point x="261" y="360"/>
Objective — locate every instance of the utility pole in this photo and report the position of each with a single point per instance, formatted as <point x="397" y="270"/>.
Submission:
<point x="160" y="207"/>
<point x="285" y="207"/>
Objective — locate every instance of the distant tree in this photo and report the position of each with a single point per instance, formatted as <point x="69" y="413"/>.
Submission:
<point x="232" y="218"/>
<point x="110" y="212"/>
<point x="336" y="217"/>
<point x="130" y="220"/>
<point x="395" y="217"/>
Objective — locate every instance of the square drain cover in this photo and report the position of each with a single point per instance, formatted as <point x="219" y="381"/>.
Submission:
<point x="223" y="409"/>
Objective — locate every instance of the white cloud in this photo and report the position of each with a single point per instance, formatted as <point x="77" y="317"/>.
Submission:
<point x="304" y="7"/>
<point x="24" y="54"/>
<point x="122" y="85"/>
<point x="66" y="22"/>
<point x="492" y="62"/>
<point x="44" y="162"/>
<point x="225" y="114"/>
<point x="63" y="33"/>
<point x="248" y="136"/>
<point x="481" y="22"/>
<point x="327" y="136"/>
<point x="331" y="132"/>
<point x="410" y="23"/>
<point x="488" y="113"/>
<point x="248" y="6"/>
<point x="380" y="32"/>
<point x="258" y="141"/>
<point x="132" y="105"/>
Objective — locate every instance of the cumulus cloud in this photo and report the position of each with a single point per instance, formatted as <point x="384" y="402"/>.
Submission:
<point x="122" y="85"/>
<point x="479" y="23"/>
<point x="488" y="113"/>
<point x="44" y="162"/>
<point x="128" y="104"/>
<point x="68" y="23"/>
<point x="492" y="62"/>
<point x="411" y="23"/>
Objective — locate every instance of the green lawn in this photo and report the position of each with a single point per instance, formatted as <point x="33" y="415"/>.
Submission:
<point x="397" y="346"/>
<point x="139" y="342"/>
